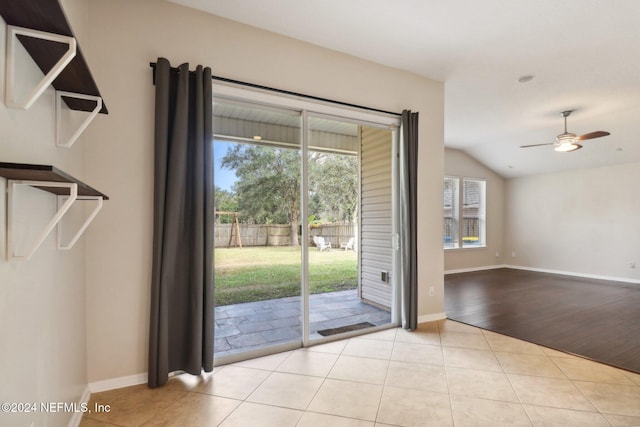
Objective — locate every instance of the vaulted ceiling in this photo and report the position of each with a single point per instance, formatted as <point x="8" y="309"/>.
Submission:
<point x="584" y="55"/>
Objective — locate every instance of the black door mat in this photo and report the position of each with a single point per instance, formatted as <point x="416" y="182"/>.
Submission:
<point x="348" y="328"/>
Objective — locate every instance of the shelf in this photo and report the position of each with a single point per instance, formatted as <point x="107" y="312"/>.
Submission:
<point x="68" y="191"/>
<point x="48" y="16"/>
<point x="47" y="173"/>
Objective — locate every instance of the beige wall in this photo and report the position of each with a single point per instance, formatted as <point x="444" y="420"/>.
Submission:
<point x="583" y="222"/>
<point x="580" y="222"/>
<point x="124" y="37"/>
<point x="42" y="300"/>
<point x="459" y="163"/>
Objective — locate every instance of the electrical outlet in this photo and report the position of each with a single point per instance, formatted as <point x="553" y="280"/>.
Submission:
<point x="432" y="291"/>
<point x="513" y="254"/>
<point x="497" y="254"/>
<point x="632" y="264"/>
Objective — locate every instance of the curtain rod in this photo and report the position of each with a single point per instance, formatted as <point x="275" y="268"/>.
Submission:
<point x="282" y="91"/>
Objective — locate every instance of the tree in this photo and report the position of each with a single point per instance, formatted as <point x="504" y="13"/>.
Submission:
<point x="268" y="185"/>
<point x="333" y="182"/>
<point x="225" y="201"/>
<point x="267" y="190"/>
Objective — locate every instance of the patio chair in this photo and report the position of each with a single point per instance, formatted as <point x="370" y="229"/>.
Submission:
<point x="321" y="243"/>
<point x="351" y="244"/>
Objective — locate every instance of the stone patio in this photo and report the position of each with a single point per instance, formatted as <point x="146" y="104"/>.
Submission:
<point x="252" y="325"/>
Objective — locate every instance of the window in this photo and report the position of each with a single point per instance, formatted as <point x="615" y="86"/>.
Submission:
<point x="466" y="196"/>
<point x="451" y="217"/>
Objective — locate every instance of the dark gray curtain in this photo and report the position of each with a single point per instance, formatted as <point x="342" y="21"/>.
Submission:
<point x="409" y="216"/>
<point x="181" y="323"/>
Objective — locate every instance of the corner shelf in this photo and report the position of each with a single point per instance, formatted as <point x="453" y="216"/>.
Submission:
<point x="53" y="180"/>
<point x="48" y="16"/>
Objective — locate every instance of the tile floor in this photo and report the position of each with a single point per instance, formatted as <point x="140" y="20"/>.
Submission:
<point x="444" y="374"/>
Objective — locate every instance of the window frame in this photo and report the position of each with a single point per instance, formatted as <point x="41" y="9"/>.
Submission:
<point x="458" y="217"/>
<point x="454" y="239"/>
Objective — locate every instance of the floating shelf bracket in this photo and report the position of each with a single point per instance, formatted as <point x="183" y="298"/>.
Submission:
<point x="83" y="126"/>
<point x="12" y="33"/>
<point x="84" y="226"/>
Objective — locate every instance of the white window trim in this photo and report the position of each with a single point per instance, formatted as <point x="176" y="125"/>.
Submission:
<point x="459" y="208"/>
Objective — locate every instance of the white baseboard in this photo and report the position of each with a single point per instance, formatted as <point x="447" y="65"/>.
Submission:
<point x="546" y="270"/>
<point x="467" y="270"/>
<point x="431" y="317"/>
<point x="76" y="419"/>
<point x="573" y="273"/>
<point x="119" y="382"/>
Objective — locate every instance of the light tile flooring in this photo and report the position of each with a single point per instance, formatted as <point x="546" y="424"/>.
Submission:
<point x="444" y="374"/>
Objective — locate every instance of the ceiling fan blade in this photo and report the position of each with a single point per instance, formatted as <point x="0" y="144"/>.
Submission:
<point x="535" y="145"/>
<point x="596" y="134"/>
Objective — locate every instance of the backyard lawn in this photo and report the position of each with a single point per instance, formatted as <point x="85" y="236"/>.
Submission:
<point x="261" y="273"/>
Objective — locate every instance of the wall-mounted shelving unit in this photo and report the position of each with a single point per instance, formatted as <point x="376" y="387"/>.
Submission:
<point x="42" y="28"/>
<point x="47" y="178"/>
<point x="48" y="16"/>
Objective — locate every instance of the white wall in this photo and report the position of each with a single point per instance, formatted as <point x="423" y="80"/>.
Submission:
<point x="124" y="37"/>
<point x="583" y="222"/>
<point x="459" y="163"/>
<point x="42" y="301"/>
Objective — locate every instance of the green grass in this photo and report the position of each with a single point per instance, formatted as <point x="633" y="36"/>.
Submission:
<point x="261" y="273"/>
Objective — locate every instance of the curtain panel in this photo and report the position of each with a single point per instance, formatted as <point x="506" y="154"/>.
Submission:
<point x="409" y="216"/>
<point x="182" y="306"/>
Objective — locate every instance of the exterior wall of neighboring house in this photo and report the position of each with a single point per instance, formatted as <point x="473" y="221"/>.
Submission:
<point x="120" y="158"/>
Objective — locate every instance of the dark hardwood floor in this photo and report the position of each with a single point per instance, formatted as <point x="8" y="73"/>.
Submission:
<point x="596" y="319"/>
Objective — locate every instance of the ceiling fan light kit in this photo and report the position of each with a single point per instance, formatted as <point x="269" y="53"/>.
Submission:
<point x="567" y="147"/>
<point x="566" y="141"/>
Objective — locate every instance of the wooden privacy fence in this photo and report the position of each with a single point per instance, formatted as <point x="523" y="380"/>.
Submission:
<point x="253" y="235"/>
<point x="278" y="234"/>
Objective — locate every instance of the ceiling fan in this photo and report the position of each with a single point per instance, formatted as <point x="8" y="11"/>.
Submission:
<point x="566" y="141"/>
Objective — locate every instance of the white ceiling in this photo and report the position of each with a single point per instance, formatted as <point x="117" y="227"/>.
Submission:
<point x="584" y="54"/>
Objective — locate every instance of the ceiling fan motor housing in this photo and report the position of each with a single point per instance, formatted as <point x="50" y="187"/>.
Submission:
<point x="566" y="137"/>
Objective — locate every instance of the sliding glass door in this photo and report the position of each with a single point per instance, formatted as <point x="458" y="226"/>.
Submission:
<point x="305" y="225"/>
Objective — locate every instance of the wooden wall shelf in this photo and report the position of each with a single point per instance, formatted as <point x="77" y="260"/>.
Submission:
<point x="48" y="16"/>
<point x="48" y="173"/>
<point x="68" y="190"/>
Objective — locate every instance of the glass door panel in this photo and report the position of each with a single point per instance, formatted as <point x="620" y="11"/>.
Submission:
<point x="258" y="266"/>
<point x="349" y="277"/>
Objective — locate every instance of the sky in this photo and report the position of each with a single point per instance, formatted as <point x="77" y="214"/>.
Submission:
<point x="222" y="178"/>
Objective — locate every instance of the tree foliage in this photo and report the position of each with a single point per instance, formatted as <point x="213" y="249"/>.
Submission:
<point x="268" y="185"/>
<point x="225" y="201"/>
<point x="267" y="189"/>
<point x="333" y="186"/>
